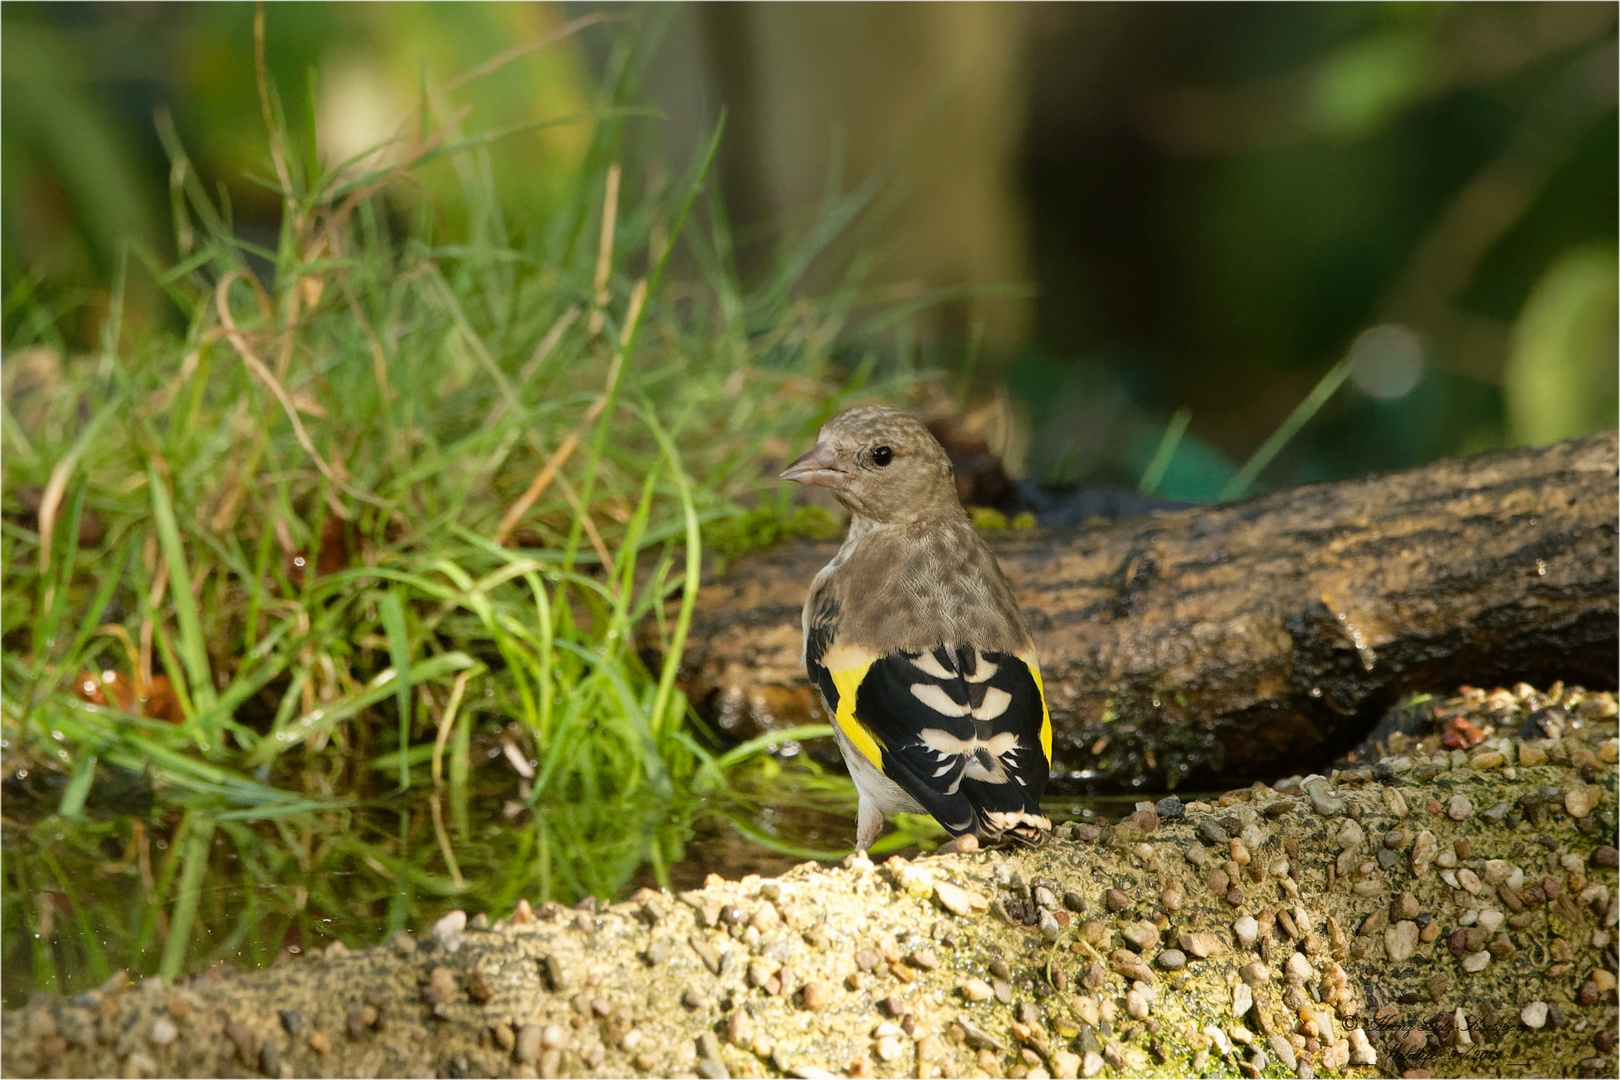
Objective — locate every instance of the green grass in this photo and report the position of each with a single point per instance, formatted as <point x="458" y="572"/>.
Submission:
<point x="511" y="448"/>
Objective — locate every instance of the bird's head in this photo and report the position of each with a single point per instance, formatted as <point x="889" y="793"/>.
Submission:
<point x="881" y="463"/>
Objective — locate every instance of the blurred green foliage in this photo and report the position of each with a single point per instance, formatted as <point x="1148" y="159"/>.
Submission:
<point x="1226" y="198"/>
<point x="87" y="87"/>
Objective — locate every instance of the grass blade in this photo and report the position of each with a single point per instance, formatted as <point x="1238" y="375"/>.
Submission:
<point x="392" y="610"/>
<point x="199" y="839"/>
<point x="193" y="648"/>
<point x="1239" y="485"/>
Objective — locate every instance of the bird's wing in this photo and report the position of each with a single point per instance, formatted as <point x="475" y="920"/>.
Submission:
<point x="964" y="731"/>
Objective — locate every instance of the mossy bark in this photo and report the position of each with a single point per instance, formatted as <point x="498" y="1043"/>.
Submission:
<point x="1220" y="644"/>
<point x="1367" y="894"/>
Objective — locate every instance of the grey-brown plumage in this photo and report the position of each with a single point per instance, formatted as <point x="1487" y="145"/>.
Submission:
<point x="914" y="638"/>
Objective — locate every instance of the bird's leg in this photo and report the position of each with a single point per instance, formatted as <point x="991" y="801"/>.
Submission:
<point x="868" y="823"/>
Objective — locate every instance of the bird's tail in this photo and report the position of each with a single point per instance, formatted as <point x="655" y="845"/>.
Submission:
<point x="1016" y="826"/>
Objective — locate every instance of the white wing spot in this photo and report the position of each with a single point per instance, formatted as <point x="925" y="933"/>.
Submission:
<point x="984" y="671"/>
<point x="937" y="699"/>
<point x="999" y="746"/>
<point x="929" y="665"/>
<point x="996" y="701"/>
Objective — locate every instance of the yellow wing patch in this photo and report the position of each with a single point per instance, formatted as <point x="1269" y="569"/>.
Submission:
<point x="848" y="667"/>
<point x="1040" y="688"/>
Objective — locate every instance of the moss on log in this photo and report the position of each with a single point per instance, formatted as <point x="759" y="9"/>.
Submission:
<point x="1455" y="913"/>
<point x="1219" y="644"/>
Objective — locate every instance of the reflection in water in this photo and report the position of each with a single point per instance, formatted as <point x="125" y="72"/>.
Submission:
<point x="86" y="898"/>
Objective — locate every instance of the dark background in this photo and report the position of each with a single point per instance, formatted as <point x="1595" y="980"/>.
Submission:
<point x="1154" y="207"/>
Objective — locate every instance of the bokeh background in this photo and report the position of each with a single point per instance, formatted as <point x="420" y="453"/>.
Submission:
<point x="1116" y="212"/>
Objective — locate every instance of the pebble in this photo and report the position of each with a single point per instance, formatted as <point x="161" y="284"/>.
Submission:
<point x="1582" y="800"/>
<point x="1254" y="973"/>
<point x="1487" y="759"/>
<point x="1298" y="969"/>
<point x="1361" y="1048"/>
<point x="1091" y="1064"/>
<point x="1606" y="856"/>
<point x="1065" y="1065"/>
<point x="1050" y="928"/>
<point x="816" y="995"/>
<point x="450" y="931"/>
<point x="1400" y="940"/>
<point x="1141" y="934"/>
<point x="1284" y="1050"/>
<point x="1490" y="919"/>
<point x="1117" y="900"/>
<point x="1199" y="943"/>
<point x="1534" y="1015"/>
<point x="913" y="879"/>
<point x="922" y="958"/>
<point x="1323" y="798"/>
<point x="1337" y="1055"/>
<point x="1476" y="961"/>
<point x="1242" y="999"/>
<point x="1172" y="959"/>
<point x="1424" y="851"/>
<point x="977" y="990"/>
<point x="1469" y="880"/>
<point x="528" y="1043"/>
<point x="1130" y="965"/>
<point x="957" y="900"/>
<point x="1532" y="753"/>
<point x="1247" y="930"/>
<point x="766" y="918"/>
<point x="1459" y="808"/>
<point x="1169" y="808"/>
<point x="163" y="1031"/>
<point x="1146" y="821"/>
<point x="887" y="1048"/>
<point x="1136" y="1003"/>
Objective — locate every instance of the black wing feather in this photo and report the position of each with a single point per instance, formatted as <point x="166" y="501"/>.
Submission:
<point x="818" y="639"/>
<point x="962" y="789"/>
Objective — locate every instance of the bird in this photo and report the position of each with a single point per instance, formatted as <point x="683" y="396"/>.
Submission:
<point x="917" y="644"/>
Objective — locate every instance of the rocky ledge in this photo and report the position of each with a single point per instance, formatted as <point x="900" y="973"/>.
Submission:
<point x="1443" y="912"/>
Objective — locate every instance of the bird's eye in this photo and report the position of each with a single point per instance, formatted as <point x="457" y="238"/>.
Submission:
<point x="881" y="456"/>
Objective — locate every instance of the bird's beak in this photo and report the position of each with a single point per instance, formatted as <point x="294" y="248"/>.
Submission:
<point x="821" y="466"/>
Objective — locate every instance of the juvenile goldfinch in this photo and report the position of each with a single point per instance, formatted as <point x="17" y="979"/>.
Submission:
<point x="917" y="645"/>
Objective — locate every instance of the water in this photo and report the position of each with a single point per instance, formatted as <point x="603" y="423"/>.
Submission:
<point x="83" y="899"/>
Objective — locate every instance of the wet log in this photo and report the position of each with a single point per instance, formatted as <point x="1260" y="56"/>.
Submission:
<point x="1435" y="913"/>
<point x="1219" y="644"/>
